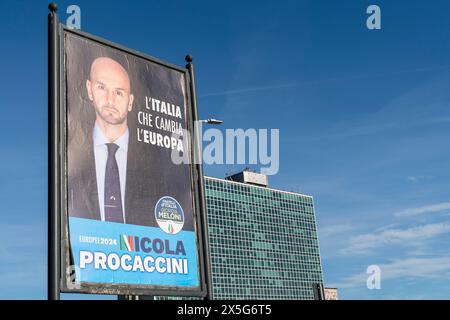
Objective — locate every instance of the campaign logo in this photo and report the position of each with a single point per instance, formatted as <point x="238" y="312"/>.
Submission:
<point x="169" y="215"/>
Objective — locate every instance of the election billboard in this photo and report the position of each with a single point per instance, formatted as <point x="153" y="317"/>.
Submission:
<point x="130" y="214"/>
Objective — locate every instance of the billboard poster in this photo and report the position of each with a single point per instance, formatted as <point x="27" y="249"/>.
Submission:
<point x="130" y="211"/>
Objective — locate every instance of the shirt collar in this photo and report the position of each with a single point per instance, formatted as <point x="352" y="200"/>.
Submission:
<point x="100" y="139"/>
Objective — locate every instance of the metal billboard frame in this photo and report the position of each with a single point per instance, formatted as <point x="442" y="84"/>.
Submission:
<point x="58" y="237"/>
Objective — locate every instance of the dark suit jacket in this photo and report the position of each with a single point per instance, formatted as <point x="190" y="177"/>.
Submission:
<point x="141" y="192"/>
<point x="150" y="176"/>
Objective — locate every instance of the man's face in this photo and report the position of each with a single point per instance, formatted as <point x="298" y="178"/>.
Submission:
<point x="109" y="89"/>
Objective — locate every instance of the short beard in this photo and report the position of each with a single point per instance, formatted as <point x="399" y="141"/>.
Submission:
<point x="110" y="118"/>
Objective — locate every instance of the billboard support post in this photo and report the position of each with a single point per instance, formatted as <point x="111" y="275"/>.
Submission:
<point x="199" y="167"/>
<point x="53" y="253"/>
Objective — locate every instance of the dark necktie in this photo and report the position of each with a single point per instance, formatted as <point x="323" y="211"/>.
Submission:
<point x="113" y="198"/>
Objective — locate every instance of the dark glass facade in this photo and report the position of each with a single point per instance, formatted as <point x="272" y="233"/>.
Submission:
<point x="263" y="242"/>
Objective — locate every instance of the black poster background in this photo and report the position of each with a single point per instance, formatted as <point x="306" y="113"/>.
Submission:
<point x="150" y="172"/>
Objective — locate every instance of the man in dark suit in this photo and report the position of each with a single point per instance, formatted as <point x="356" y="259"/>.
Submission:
<point x="110" y="177"/>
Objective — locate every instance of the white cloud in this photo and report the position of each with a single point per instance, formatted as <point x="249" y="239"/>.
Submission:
<point x="331" y="231"/>
<point x="410" y="212"/>
<point x="418" y="178"/>
<point x="363" y="244"/>
<point x="320" y="81"/>
<point x="437" y="268"/>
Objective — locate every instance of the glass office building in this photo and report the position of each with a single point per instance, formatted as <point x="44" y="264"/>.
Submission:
<point x="263" y="241"/>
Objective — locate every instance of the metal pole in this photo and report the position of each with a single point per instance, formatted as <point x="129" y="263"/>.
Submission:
<point x="53" y="190"/>
<point x="199" y="165"/>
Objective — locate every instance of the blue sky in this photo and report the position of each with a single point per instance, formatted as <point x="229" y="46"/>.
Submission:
<point x="364" y="119"/>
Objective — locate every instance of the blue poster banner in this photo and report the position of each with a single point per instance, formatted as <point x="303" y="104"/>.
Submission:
<point x="108" y="252"/>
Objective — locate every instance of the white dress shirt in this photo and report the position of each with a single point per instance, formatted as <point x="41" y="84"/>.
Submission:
<point x="101" y="156"/>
